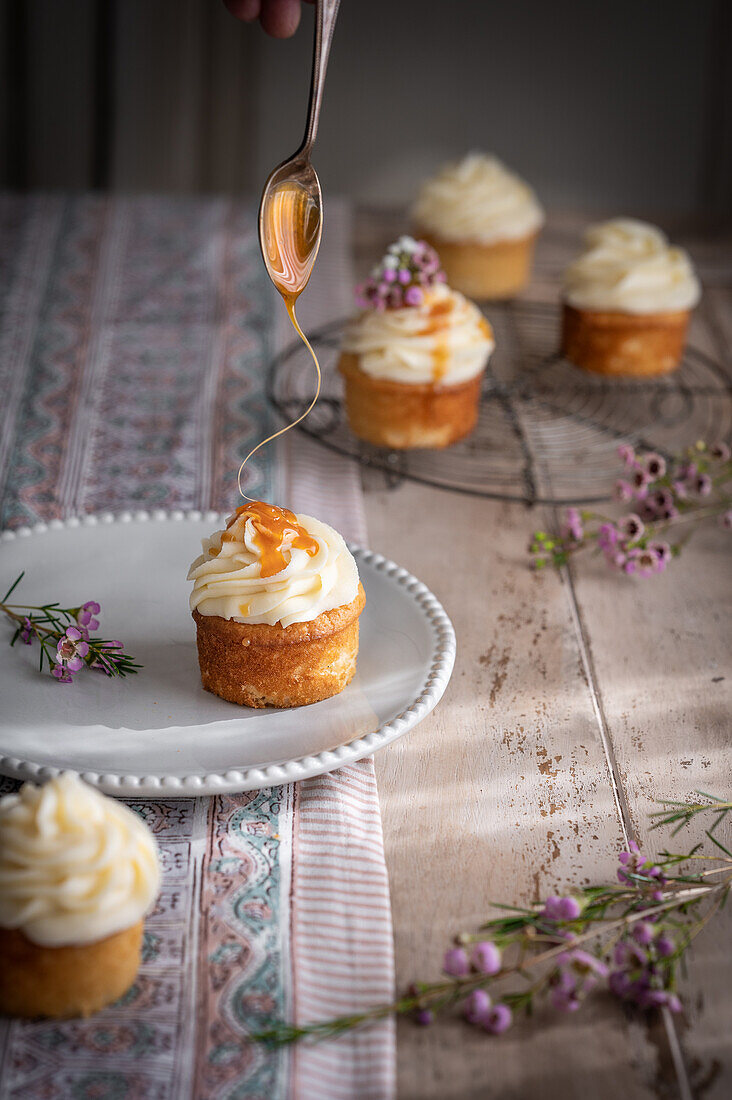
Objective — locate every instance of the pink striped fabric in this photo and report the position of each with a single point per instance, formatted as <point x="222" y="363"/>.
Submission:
<point x="341" y="934"/>
<point x="340" y="920"/>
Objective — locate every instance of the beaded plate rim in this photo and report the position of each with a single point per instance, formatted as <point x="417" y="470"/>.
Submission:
<point x="237" y="780"/>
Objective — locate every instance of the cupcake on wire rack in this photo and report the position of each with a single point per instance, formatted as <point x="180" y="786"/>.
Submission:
<point x="627" y="300"/>
<point x="483" y="221"/>
<point x="78" y="873"/>
<point x="413" y="359"/>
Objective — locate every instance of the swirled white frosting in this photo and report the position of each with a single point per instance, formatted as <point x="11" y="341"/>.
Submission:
<point x="629" y="266"/>
<point x="477" y="199"/>
<point x="227" y="578"/>
<point x="75" y="866"/>
<point x="446" y="339"/>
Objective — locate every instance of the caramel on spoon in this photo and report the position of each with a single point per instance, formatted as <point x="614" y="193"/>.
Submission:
<point x="291" y="209"/>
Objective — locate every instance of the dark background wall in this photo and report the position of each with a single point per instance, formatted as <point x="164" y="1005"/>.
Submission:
<point x="625" y="105"/>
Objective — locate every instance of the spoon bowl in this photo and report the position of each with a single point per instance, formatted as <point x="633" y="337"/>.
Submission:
<point x="291" y="224"/>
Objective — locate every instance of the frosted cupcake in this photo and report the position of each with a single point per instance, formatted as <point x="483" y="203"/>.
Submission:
<point x="78" y="873"/>
<point x="413" y="359"/>
<point x="276" y="600"/>
<point x="627" y="300"/>
<point x="483" y="220"/>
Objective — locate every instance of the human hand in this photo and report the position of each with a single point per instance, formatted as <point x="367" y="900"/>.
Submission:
<point x="280" y="18"/>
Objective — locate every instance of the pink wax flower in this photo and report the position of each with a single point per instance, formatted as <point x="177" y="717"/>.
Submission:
<point x="399" y="280"/>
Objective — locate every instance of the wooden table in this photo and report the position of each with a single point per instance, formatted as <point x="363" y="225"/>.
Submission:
<point x="577" y="699"/>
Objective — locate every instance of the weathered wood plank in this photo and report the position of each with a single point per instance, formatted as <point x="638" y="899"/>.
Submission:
<point x="472" y="808"/>
<point x="503" y="794"/>
<point x="660" y="656"/>
<point x="660" y="650"/>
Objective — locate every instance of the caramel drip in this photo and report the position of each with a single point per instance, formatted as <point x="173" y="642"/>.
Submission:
<point x="290" y="240"/>
<point x="435" y="317"/>
<point x="276" y="533"/>
<point x="440" y="361"/>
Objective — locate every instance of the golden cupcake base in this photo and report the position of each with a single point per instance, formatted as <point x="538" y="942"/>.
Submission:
<point x="66" y="981"/>
<point x="485" y="271"/>
<point x="623" y="344"/>
<point x="401" y="415"/>
<point x="257" y="665"/>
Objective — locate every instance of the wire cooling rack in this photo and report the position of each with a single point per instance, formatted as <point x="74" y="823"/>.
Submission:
<point x="547" y="432"/>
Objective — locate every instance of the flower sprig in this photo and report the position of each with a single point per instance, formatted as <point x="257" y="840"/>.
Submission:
<point x="680" y="814"/>
<point x="401" y="276"/>
<point x="66" y="644"/>
<point x="692" y="487"/>
<point x="628" y="936"/>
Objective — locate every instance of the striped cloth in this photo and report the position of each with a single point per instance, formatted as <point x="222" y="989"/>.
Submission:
<point x="342" y="939"/>
<point x="134" y="339"/>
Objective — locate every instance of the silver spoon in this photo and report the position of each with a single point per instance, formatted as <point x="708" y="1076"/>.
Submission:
<point x="291" y="210"/>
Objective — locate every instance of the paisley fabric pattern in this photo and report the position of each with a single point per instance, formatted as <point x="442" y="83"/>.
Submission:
<point x="134" y="340"/>
<point x="214" y="935"/>
<point x="134" y="347"/>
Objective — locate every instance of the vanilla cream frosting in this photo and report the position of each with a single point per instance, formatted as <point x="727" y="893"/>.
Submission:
<point x="628" y="265"/>
<point x="446" y="339"/>
<point x="227" y="577"/>
<point x="477" y="199"/>
<point x="75" y="866"/>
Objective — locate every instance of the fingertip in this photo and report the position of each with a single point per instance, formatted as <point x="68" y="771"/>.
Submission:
<point x="280" y="18"/>
<point x="246" y="10"/>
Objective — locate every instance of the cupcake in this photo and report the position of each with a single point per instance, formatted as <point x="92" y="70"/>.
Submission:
<point x="483" y="220"/>
<point x="78" y="872"/>
<point x="413" y="359"/>
<point x="276" y="600"/>
<point x="627" y="300"/>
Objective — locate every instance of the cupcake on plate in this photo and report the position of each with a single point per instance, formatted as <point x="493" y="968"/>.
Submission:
<point x="276" y="600"/>
<point x="413" y="359"/>
<point x="78" y="873"/>
<point x="483" y="220"/>
<point x="627" y="300"/>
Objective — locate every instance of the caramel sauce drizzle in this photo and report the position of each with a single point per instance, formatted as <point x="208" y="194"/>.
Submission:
<point x="441" y="355"/>
<point x="440" y="361"/>
<point x="435" y="316"/>
<point x="291" y="239"/>
<point x="276" y="532"/>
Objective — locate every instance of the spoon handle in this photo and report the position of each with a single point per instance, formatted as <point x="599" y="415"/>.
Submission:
<point x="325" y="18"/>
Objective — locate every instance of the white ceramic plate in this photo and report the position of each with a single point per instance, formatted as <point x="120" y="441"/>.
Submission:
<point x="159" y="732"/>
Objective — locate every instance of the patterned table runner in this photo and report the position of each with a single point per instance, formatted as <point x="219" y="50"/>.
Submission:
<point x="134" y="344"/>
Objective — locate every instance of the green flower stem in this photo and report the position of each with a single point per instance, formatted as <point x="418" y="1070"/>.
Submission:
<point x="523" y="929"/>
<point x="446" y="992"/>
<point x="685" y="811"/>
<point x="656" y="527"/>
<point x="49" y="623"/>
<point x="37" y="628"/>
<point x="41" y="607"/>
<point x="708" y="512"/>
<point x="557" y="550"/>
